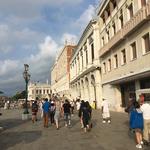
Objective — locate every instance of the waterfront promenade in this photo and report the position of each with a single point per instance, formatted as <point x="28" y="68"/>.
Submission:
<point x="24" y="135"/>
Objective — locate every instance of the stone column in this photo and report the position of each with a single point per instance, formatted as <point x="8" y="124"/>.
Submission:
<point x="80" y="60"/>
<point x="76" y="67"/>
<point x="84" y="59"/>
<point x="96" y="37"/>
<point x="89" y="53"/>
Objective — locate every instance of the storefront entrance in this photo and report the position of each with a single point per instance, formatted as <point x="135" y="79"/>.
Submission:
<point x="127" y="92"/>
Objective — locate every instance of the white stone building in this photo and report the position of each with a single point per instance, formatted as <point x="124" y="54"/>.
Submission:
<point x="60" y="72"/>
<point x="40" y="90"/>
<point x="85" y="79"/>
<point x="124" y="50"/>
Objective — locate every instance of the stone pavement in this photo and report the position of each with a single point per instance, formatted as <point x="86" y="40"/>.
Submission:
<point x="24" y="135"/>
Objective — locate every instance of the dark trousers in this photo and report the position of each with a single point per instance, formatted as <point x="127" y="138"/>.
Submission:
<point x="52" y="113"/>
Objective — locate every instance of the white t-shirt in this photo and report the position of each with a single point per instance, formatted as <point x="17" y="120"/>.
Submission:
<point x="78" y="105"/>
<point x="105" y="106"/>
<point x="146" y="111"/>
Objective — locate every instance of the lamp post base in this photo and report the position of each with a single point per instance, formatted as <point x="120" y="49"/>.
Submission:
<point x="1" y="128"/>
<point x="26" y="111"/>
<point x="25" y="116"/>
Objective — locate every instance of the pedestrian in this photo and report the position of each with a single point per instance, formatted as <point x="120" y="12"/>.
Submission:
<point x="90" y="114"/>
<point x="52" y="112"/>
<point x="34" y="111"/>
<point x="46" y="108"/>
<point x="78" y="104"/>
<point x="136" y="123"/>
<point x="72" y="106"/>
<point x="130" y="106"/>
<point x="146" y="115"/>
<point x="57" y="113"/>
<point x="105" y="111"/>
<point x="41" y="108"/>
<point x="67" y="113"/>
<point x="80" y="113"/>
<point x="85" y="115"/>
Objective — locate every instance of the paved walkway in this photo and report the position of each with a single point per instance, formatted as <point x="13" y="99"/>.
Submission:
<point x="24" y="135"/>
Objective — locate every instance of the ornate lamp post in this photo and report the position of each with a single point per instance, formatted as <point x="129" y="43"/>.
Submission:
<point x="26" y="76"/>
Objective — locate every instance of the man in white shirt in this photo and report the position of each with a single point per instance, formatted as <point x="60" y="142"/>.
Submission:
<point x="146" y="115"/>
<point x="105" y="111"/>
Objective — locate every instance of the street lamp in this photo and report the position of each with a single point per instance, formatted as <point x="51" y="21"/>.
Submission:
<point x="26" y="76"/>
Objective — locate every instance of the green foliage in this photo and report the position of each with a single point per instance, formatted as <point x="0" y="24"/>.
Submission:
<point x="19" y="95"/>
<point x="1" y="92"/>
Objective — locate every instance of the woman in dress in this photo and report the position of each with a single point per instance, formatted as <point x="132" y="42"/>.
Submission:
<point x="57" y="113"/>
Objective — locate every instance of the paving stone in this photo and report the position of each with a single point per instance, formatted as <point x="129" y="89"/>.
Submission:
<point x="24" y="135"/>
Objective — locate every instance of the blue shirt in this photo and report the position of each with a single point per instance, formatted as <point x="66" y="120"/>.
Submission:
<point x="46" y="107"/>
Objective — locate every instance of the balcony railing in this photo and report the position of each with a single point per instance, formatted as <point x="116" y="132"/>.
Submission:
<point x="137" y="19"/>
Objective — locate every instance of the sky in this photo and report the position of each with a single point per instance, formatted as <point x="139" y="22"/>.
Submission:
<point x="34" y="32"/>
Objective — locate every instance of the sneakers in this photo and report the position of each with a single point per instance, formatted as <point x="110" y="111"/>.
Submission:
<point x="109" y="121"/>
<point x="104" y="121"/>
<point x="139" y="146"/>
<point x="142" y="142"/>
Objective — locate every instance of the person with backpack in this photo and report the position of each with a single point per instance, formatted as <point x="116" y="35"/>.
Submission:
<point x="67" y="113"/>
<point x="34" y="111"/>
<point x="85" y="115"/>
<point x="136" y="123"/>
<point x="46" y="108"/>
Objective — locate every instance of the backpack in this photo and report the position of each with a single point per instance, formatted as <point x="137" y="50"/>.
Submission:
<point x="34" y="107"/>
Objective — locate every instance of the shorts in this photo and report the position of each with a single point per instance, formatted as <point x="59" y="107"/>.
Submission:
<point x="67" y="116"/>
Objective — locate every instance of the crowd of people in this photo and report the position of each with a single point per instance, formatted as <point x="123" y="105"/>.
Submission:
<point x="53" y="110"/>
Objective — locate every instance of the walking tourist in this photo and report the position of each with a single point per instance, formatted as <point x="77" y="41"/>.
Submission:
<point x="105" y="111"/>
<point x="85" y="115"/>
<point x="67" y="113"/>
<point x="34" y="111"/>
<point x="146" y="115"/>
<point x="136" y="123"/>
<point x="130" y="106"/>
<point x="78" y="104"/>
<point x="57" y="113"/>
<point x="72" y="106"/>
<point x="41" y="108"/>
<point x="46" y="107"/>
<point x="80" y="113"/>
<point x="52" y="112"/>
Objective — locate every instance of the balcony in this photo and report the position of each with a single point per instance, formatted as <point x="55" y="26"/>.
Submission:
<point x="130" y="26"/>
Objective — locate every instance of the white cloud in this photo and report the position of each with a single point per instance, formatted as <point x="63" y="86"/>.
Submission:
<point x="85" y="17"/>
<point x="10" y="37"/>
<point x="69" y="38"/>
<point x="8" y="66"/>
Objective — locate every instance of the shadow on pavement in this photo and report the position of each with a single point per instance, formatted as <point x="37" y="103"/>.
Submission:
<point x="11" y="123"/>
<point x="12" y="138"/>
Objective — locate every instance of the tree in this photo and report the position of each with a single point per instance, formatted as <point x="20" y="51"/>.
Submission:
<point x="19" y="95"/>
<point x="1" y="92"/>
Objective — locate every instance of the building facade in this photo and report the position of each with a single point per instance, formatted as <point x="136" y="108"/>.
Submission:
<point x="40" y="90"/>
<point x="124" y="50"/>
<point x="60" y="72"/>
<point x="85" y="79"/>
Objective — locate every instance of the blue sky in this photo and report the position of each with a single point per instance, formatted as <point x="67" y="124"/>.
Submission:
<point x="33" y="32"/>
